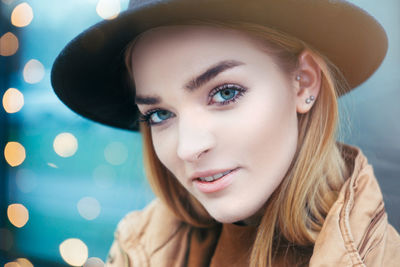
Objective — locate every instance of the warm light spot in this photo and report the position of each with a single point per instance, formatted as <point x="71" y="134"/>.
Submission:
<point x="94" y="262"/>
<point x="6" y="240"/>
<point x="25" y="180"/>
<point x="13" y="100"/>
<point x="24" y="262"/>
<point x="33" y="71"/>
<point x="65" y="145"/>
<point x="18" y="215"/>
<point x="108" y="9"/>
<point x="14" y="153"/>
<point x="116" y="153"/>
<point x="74" y="252"/>
<point x="12" y="264"/>
<point x="22" y="15"/>
<point x="89" y="208"/>
<point x="8" y="44"/>
<point x="104" y="176"/>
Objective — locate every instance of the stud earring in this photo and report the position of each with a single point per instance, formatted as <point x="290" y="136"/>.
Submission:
<point x="311" y="98"/>
<point x="298" y="77"/>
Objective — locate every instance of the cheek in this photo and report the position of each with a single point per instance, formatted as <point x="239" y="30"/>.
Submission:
<point x="269" y="135"/>
<point x="165" y="149"/>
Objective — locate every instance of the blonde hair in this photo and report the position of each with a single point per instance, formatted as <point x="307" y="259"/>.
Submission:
<point x="296" y="211"/>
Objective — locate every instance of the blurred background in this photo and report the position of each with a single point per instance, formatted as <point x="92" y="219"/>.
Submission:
<point x="65" y="181"/>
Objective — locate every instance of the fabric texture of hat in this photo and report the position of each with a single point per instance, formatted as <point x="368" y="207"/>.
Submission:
<point x="89" y="75"/>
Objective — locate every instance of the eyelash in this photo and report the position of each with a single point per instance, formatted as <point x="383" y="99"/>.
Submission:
<point x="239" y="89"/>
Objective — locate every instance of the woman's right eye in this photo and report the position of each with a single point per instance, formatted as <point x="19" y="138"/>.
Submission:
<point x="154" y="117"/>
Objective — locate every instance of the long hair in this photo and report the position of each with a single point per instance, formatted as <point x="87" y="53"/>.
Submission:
<point x="296" y="211"/>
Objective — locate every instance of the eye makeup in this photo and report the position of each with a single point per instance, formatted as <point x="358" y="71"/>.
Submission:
<point x="228" y="93"/>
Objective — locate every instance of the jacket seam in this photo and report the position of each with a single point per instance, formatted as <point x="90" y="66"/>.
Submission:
<point x="345" y="228"/>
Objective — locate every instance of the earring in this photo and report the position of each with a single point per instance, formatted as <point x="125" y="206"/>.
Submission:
<point x="311" y="98"/>
<point x="298" y="77"/>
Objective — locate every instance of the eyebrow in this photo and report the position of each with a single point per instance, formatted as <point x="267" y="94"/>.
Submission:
<point x="195" y="83"/>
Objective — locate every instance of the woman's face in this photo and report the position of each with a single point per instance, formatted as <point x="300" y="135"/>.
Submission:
<point x="219" y="105"/>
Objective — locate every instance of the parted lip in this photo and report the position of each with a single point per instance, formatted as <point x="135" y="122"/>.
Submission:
<point x="210" y="173"/>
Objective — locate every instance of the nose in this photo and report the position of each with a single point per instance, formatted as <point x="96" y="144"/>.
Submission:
<point x="194" y="138"/>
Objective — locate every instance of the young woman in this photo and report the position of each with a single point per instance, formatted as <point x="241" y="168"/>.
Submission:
<point x="237" y="104"/>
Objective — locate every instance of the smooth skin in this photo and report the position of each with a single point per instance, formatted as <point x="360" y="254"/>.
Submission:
<point x="256" y="133"/>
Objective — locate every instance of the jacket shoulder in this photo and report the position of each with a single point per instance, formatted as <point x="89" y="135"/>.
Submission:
<point x="140" y="235"/>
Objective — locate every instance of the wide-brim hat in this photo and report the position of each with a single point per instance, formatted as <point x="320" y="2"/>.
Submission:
<point x="89" y="74"/>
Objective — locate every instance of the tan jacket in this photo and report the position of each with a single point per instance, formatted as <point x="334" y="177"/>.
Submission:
<point x="355" y="233"/>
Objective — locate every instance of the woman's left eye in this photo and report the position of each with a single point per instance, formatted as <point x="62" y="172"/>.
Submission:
<point x="226" y="93"/>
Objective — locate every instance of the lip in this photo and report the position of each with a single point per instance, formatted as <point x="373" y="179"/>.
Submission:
<point x="209" y="173"/>
<point x="216" y="185"/>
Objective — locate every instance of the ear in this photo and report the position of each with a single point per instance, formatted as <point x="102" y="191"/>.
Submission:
<point x="307" y="82"/>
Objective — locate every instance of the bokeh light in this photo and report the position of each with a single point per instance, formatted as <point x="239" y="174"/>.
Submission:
<point x="22" y="15"/>
<point x="6" y="240"/>
<point x="25" y="180"/>
<point x="52" y="165"/>
<point x="33" y="71"/>
<point x="104" y="176"/>
<point x="24" y="262"/>
<point x="7" y="2"/>
<point x="94" y="262"/>
<point x="116" y="153"/>
<point x="8" y="44"/>
<point x="89" y="208"/>
<point x="14" y="153"/>
<point x="74" y="251"/>
<point x="18" y="215"/>
<point x="108" y="9"/>
<point x="13" y="100"/>
<point x="12" y="264"/>
<point x="65" y="145"/>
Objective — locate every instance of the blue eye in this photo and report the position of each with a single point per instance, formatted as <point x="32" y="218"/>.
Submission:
<point x="155" y="116"/>
<point x="226" y="94"/>
<point x="160" y="115"/>
<point x="221" y="95"/>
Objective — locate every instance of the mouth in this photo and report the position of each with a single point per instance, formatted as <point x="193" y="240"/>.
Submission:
<point x="215" y="176"/>
<point x="216" y="182"/>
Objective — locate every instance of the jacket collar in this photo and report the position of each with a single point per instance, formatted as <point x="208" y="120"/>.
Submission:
<point x="357" y="217"/>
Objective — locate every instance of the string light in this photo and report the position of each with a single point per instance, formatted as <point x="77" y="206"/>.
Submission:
<point x="52" y="165"/>
<point x="18" y="215"/>
<point x="13" y="100"/>
<point x="8" y="44"/>
<point x="24" y="262"/>
<point x="89" y="208"/>
<point x="65" y="145"/>
<point x="12" y="264"/>
<point x="7" y="2"/>
<point x="94" y="262"/>
<point x="22" y="15"/>
<point x="33" y="71"/>
<point x="74" y="251"/>
<point x="14" y="153"/>
<point x="108" y="9"/>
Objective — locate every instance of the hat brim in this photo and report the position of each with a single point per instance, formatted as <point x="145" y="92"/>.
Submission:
<point x="89" y="75"/>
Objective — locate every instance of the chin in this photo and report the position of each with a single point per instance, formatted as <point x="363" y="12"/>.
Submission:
<point x="230" y="216"/>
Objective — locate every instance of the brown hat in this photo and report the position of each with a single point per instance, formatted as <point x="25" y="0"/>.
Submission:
<point x="89" y="75"/>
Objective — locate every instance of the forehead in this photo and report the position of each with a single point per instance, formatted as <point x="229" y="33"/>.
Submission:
<point x="189" y="49"/>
